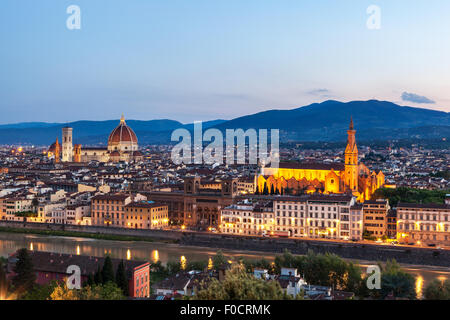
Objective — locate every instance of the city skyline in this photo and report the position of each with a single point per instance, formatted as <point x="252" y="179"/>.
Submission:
<point x="204" y="61"/>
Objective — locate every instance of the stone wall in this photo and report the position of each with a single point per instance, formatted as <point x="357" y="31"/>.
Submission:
<point x="367" y="252"/>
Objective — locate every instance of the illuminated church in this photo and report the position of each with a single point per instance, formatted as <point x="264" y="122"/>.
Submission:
<point x="348" y="177"/>
<point x="122" y="146"/>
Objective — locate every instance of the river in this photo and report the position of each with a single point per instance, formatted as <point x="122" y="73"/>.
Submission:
<point x="164" y="252"/>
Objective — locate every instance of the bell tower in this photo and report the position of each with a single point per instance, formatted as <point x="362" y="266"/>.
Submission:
<point x="351" y="160"/>
<point x="67" y="145"/>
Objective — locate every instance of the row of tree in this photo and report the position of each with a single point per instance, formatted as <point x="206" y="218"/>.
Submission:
<point x="410" y="195"/>
<point x="23" y="285"/>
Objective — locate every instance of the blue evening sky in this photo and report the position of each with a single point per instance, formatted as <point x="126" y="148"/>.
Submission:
<point x="206" y="59"/>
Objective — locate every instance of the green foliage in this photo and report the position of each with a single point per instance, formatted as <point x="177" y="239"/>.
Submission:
<point x="410" y="195"/>
<point x="197" y="265"/>
<point x="108" y="291"/>
<point x="108" y="270"/>
<point x="239" y="285"/>
<point x="41" y="292"/>
<point x="438" y="290"/>
<point x="121" y="278"/>
<point x="396" y="281"/>
<point x="442" y="174"/>
<point x="323" y="269"/>
<point x="98" y="279"/>
<point x="4" y="285"/>
<point x="219" y="260"/>
<point x="25" y="275"/>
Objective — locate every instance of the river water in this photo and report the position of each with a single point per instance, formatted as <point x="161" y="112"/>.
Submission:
<point x="164" y="252"/>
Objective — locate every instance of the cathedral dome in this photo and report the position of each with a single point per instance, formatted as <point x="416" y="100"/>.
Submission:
<point x="122" y="134"/>
<point x="55" y="147"/>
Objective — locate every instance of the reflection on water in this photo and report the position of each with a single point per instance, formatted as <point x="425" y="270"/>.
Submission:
<point x="152" y="251"/>
<point x="183" y="262"/>
<point x="155" y="256"/>
<point x="419" y="286"/>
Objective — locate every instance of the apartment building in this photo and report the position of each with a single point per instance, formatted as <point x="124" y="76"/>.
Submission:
<point x="375" y="217"/>
<point x="145" y="215"/>
<point x="107" y="209"/>
<point x="423" y="223"/>
<point x="77" y="214"/>
<point x="248" y="218"/>
<point x="391" y="230"/>
<point x="329" y="216"/>
<point x="315" y="216"/>
<point x="356" y="221"/>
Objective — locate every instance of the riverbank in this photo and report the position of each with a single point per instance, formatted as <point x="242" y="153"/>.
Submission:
<point x="347" y="250"/>
<point x="98" y="236"/>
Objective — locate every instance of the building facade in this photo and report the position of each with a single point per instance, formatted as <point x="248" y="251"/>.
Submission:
<point x="122" y="146"/>
<point x="423" y="223"/>
<point x="348" y="177"/>
<point x="375" y="217"/>
<point x="248" y="219"/>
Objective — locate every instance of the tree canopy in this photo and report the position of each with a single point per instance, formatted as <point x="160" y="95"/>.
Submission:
<point x="239" y="285"/>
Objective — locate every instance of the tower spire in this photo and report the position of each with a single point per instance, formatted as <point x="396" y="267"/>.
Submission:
<point x="351" y="123"/>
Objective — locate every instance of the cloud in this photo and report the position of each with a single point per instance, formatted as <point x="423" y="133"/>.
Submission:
<point x="412" y="97"/>
<point x="318" y="92"/>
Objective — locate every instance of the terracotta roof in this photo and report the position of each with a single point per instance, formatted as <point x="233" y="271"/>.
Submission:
<point x="58" y="263"/>
<point x="312" y="166"/>
<point x="122" y="133"/>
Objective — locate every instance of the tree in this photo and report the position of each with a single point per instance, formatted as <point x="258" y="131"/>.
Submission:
<point x="4" y="286"/>
<point x="90" y="280"/>
<point x="272" y="189"/>
<point x="239" y="285"/>
<point x="121" y="278"/>
<point x="41" y="292"/>
<point x="24" y="274"/>
<point x="108" y="270"/>
<point x="438" y="290"/>
<point x="257" y="190"/>
<point x="219" y="260"/>
<point x="61" y="292"/>
<point x="396" y="281"/>
<point x="98" y="279"/>
<point x="265" y="189"/>
<point x="108" y="291"/>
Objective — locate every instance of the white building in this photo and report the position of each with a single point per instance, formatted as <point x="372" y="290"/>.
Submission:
<point x="247" y="219"/>
<point x="315" y="216"/>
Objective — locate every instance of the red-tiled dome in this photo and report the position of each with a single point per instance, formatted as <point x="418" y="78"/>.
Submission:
<point x="55" y="145"/>
<point x="122" y="133"/>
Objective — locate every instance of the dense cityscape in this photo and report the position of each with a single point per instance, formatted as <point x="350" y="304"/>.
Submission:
<point x="104" y="191"/>
<point x="224" y="159"/>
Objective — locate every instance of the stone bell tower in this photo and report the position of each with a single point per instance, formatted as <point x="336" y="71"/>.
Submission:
<point x="67" y="144"/>
<point x="351" y="160"/>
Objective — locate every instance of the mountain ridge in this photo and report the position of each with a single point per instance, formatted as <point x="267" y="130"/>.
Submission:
<point x="324" y="121"/>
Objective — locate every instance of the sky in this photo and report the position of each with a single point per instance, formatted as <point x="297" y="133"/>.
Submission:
<point x="217" y="59"/>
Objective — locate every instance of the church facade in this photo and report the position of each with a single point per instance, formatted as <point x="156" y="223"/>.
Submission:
<point x="327" y="178"/>
<point x="122" y="146"/>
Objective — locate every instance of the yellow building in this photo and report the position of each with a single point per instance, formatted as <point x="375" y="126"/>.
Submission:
<point x="348" y="177"/>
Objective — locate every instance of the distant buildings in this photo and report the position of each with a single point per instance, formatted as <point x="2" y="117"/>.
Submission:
<point x="122" y="146"/>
